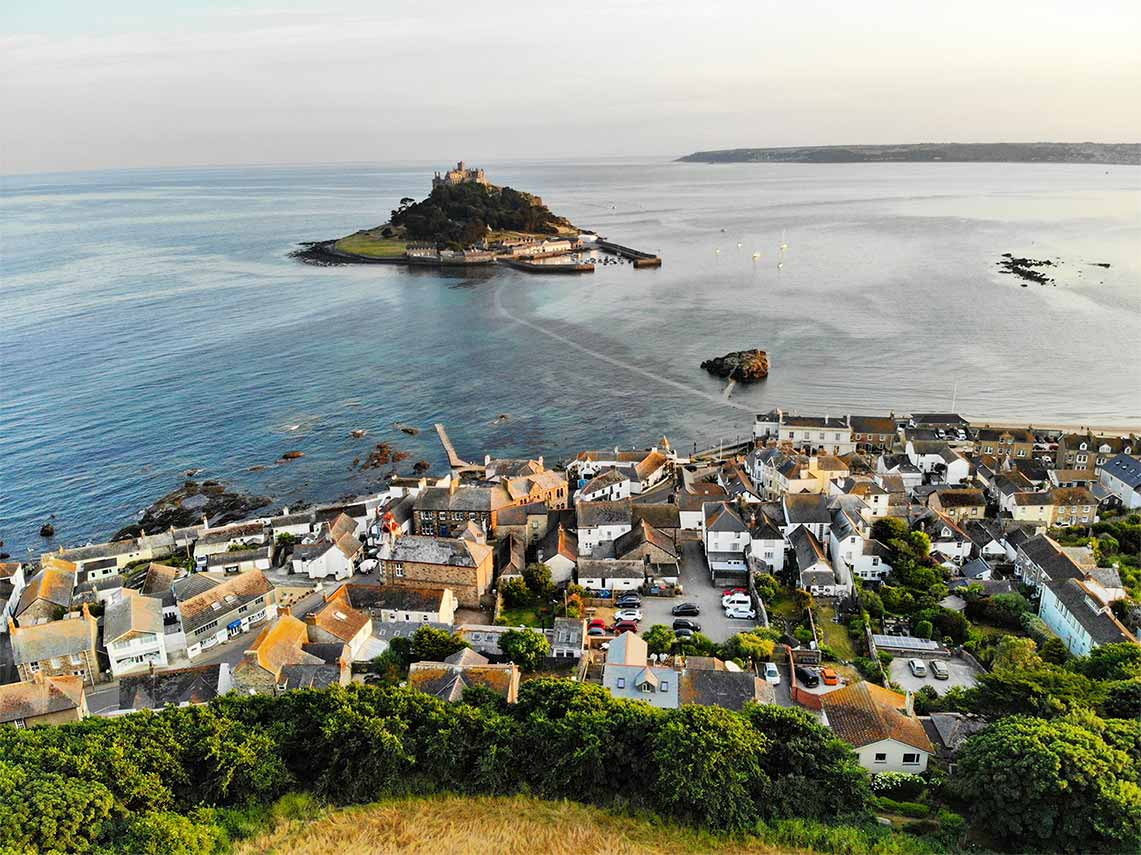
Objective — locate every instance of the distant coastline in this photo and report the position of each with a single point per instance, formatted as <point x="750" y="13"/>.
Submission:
<point x="1116" y="154"/>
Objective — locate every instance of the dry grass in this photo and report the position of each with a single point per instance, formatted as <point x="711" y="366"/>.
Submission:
<point x="502" y="825"/>
<point x="372" y="244"/>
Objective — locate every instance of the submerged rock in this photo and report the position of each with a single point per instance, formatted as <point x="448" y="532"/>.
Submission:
<point x="744" y="366"/>
<point x="292" y="455"/>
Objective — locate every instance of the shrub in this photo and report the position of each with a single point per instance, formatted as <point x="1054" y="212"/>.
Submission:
<point x="923" y="629"/>
<point x="912" y="809"/>
<point x="902" y="784"/>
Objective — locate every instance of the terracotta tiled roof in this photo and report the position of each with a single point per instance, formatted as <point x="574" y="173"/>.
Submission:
<point x="51" y="584"/>
<point x="864" y="713"/>
<point x="279" y="644"/>
<point x="341" y="620"/>
<point x="39" y="696"/>
<point x="650" y="464"/>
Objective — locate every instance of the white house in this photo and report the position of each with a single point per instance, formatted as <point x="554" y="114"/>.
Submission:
<point x="817" y="575"/>
<point x="240" y="560"/>
<point x="899" y="464"/>
<point x="559" y="551"/>
<point x="810" y="511"/>
<point x="133" y="633"/>
<point x="726" y="539"/>
<point x="938" y="458"/>
<point x="880" y="725"/>
<point x="853" y="551"/>
<point x="599" y="522"/>
<point x="607" y="486"/>
<point x="833" y="435"/>
<point x="1071" y="608"/>
<point x="212" y="541"/>
<point x="334" y="553"/>
<point x="213" y="609"/>
<point x="766" y="544"/>
<point x="12" y="584"/>
<point x="611" y="574"/>
<point x="1121" y="475"/>
<point x="946" y="536"/>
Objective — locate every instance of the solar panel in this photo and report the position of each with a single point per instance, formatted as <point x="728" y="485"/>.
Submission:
<point x="904" y="642"/>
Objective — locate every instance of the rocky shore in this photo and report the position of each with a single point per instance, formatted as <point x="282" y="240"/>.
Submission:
<point x="744" y="366"/>
<point x="187" y="505"/>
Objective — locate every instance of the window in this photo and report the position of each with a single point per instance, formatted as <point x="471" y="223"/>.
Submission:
<point x="910" y="759"/>
<point x="881" y="757"/>
<point x="665" y="685"/>
<point x="206" y="627"/>
<point x="621" y="683"/>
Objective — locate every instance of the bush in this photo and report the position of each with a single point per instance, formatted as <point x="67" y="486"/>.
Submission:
<point x="911" y="809"/>
<point x="515" y="592"/>
<point x="902" y="784"/>
<point x="923" y="629"/>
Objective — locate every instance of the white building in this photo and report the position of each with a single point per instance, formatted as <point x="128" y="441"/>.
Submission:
<point x="940" y="460"/>
<point x="1121" y="475"/>
<point x="599" y="522"/>
<point x="607" y="486"/>
<point x="833" y="435"/>
<point x="133" y="633"/>
<point x="611" y="574"/>
<point x="880" y="725"/>
<point x="1072" y="609"/>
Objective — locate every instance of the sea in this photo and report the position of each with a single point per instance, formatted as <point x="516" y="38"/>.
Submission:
<point x="153" y="323"/>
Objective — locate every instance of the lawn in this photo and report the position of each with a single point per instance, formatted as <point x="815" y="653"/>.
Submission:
<point x="521" y="616"/>
<point x="372" y="245"/>
<point x="784" y="605"/>
<point x="835" y="634"/>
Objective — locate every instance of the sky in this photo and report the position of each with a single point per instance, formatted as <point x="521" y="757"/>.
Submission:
<point x="88" y="85"/>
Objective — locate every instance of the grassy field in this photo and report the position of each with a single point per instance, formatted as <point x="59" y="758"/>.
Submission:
<point x="522" y="616"/>
<point x="835" y="634"/>
<point x="372" y="244"/>
<point x="451" y="824"/>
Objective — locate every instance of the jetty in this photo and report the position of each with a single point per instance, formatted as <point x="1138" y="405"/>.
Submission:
<point x="640" y="258"/>
<point x="454" y="460"/>
<point x="538" y="267"/>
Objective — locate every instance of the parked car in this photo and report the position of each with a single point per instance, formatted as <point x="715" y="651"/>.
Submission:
<point x="624" y="626"/>
<point x="829" y="677"/>
<point x="683" y="633"/>
<point x="736" y="600"/>
<point x="596" y="630"/>
<point x="598" y="623"/>
<point x="688" y="609"/>
<point x="628" y="614"/>
<point x="939" y="670"/>
<point x="691" y="625"/>
<point x="772" y="673"/>
<point x="628" y="601"/>
<point x="917" y="667"/>
<point x="807" y="676"/>
<point x="728" y="592"/>
<point x="740" y="613"/>
<point x="199" y="563"/>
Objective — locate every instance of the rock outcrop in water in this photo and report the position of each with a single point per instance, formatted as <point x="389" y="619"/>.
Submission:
<point x="1023" y="268"/>
<point x="744" y="366"/>
<point x="187" y="505"/>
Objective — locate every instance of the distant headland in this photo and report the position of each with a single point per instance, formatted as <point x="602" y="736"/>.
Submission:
<point x="466" y="220"/>
<point x="1128" y="154"/>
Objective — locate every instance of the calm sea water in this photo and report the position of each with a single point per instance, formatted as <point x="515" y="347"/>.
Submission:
<point x="150" y="321"/>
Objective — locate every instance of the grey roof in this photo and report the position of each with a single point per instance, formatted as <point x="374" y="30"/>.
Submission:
<point x="809" y="552"/>
<point x="568" y="632"/>
<point x="377" y="597"/>
<point x="195" y="584"/>
<point x="57" y="638"/>
<point x="1107" y="577"/>
<point x="132" y="613"/>
<point x="388" y="630"/>
<point x="592" y="514"/>
<point x="976" y="568"/>
<point x="609" y="478"/>
<point x="720" y="516"/>
<point x="1095" y="618"/>
<point x="950" y="730"/>
<point x="222" y="559"/>
<point x="225" y="534"/>
<point x="939" y="419"/>
<point x="433" y="550"/>
<point x="184" y="685"/>
<point x="465" y="498"/>
<point x="1054" y="563"/>
<point x="592" y="569"/>
<point x="661" y="515"/>
<point x="728" y="689"/>
<point x="828" y="422"/>
<point x="807" y="508"/>
<point x="98" y="550"/>
<point x="104" y="583"/>
<point x="308" y="676"/>
<point x="1125" y="467"/>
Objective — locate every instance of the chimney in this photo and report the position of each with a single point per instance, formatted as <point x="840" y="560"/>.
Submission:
<point x="453" y="483"/>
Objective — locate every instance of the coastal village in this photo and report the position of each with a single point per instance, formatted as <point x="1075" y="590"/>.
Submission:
<point x="770" y="573"/>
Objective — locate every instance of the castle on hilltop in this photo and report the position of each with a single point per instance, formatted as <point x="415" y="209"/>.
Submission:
<point x="459" y="175"/>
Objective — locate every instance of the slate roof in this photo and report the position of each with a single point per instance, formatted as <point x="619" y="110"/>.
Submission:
<point x="661" y="515"/>
<point x="377" y="597"/>
<point x="131" y="614"/>
<point x="467" y="497"/>
<point x="39" y="696"/>
<point x="310" y="676"/>
<point x="609" y="478"/>
<point x="606" y="569"/>
<point x="1096" y="619"/>
<point x="976" y="568"/>
<point x="518" y="514"/>
<point x="593" y="514"/>
<point x="872" y="424"/>
<point x="716" y="688"/>
<point x="450" y="552"/>
<point x="863" y="713"/>
<point x="54" y="639"/>
<point x="195" y="685"/>
<point x="951" y="730"/>
<point x="1028" y="500"/>
<point x="237" y="556"/>
<point x="225" y="534"/>
<point x="448" y="681"/>
<point x="719" y="516"/>
<point x="806" y="508"/>
<point x="1126" y="468"/>
<point x="52" y="585"/>
<point x="644" y="533"/>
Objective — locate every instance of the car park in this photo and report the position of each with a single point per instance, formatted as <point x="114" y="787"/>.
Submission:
<point x="939" y="671"/>
<point x="687" y="609"/>
<point x="624" y="626"/>
<point x="741" y="613"/>
<point x="683" y="623"/>
<point x="807" y="676"/>
<point x="917" y="667"/>
<point x="735" y="600"/>
<point x="628" y="614"/>
<point x="829" y="677"/>
<point x="628" y="601"/>
<point x="772" y="674"/>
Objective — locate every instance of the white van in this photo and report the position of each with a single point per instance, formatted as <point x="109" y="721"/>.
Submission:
<point x="734" y="601"/>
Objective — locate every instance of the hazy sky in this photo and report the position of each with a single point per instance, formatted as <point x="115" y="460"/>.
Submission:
<point x="118" y="84"/>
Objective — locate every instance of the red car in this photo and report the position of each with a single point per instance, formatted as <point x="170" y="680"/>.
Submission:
<point x="729" y="591"/>
<point x="597" y="622"/>
<point x="624" y="626"/>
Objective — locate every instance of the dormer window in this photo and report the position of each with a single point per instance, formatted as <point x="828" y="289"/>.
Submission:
<point x="1083" y="447"/>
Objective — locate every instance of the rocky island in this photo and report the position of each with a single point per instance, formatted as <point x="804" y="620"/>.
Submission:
<point x="744" y="366"/>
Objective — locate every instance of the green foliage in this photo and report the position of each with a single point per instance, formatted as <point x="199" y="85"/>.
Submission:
<point x="912" y="809"/>
<point x="462" y="214"/>
<point x="1123" y="700"/>
<point x="167" y="833"/>
<point x="697" y="644"/>
<point x="1036" y="628"/>
<point x="1047" y="691"/>
<point x="659" y="638"/>
<point x="1014" y="652"/>
<point x="515" y="592"/>
<point x="525" y="647"/>
<point x="903" y="785"/>
<point x="1064" y="788"/>
<point x="1054" y="651"/>
<point x="285" y="539"/>
<point x="538" y="579"/>
<point x="434" y="645"/>
<point x="922" y="629"/>
<point x="1111" y="662"/>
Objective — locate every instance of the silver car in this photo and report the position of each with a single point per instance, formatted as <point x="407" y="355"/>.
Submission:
<point x="628" y="614"/>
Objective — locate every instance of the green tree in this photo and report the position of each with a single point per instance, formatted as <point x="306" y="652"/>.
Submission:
<point x="1047" y="691"/>
<point x="923" y="629"/>
<point x="167" y="833"/>
<point x="1111" y="662"/>
<point x="1014" y="652"/>
<point x="755" y="645"/>
<point x="525" y="647"/>
<point x="1123" y="700"/>
<point x="659" y="638"/>
<point x="1054" y="651"/>
<point x="697" y="644"/>
<point x="430" y="644"/>
<point x="1063" y="787"/>
<point x="538" y="579"/>
<point x="515" y="592"/>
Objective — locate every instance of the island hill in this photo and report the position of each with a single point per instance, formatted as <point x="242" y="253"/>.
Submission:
<point x="1039" y="152"/>
<point x="466" y="220"/>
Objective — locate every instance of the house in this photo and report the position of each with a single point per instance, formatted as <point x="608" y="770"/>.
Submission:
<point x="627" y="674"/>
<point x="960" y="504"/>
<point x="12" y="583"/>
<point x="610" y="574"/>
<point x="1091" y="451"/>
<point x="442" y="511"/>
<point x="213" y="609"/>
<point x="48" y="593"/>
<point x="567" y="637"/>
<point x="1073" y="506"/>
<point x="986" y="539"/>
<point x="656" y="549"/>
<point x="977" y="570"/>
<point x="43" y="700"/>
<point x="833" y="435"/>
<point x="527" y="523"/>
<point x="901" y="465"/>
<point x="1012" y="442"/>
<point x="336" y="621"/>
<point x="1040" y="559"/>
<point x="102" y="590"/>
<point x="548" y="487"/>
<point x="134" y="634"/>
<point x="870" y="493"/>
<point x="1006" y="485"/>
<point x="335" y="552"/>
<point x="738" y="485"/>
<point x="853" y="551"/>
<point x="105" y="559"/>
<point x="296" y="525"/>
<point x="766" y="543"/>
<point x="240" y="560"/>
<point x="948" y="731"/>
<point x="213" y="541"/>
<point x="880" y="725"/>
<point x="1121" y="476"/>
<point x="448" y="679"/>
<point x="939" y="460"/>
<point x="287" y="655"/>
<point x="599" y="522"/>
<point x="816" y="573"/>
<point x="57" y="648"/>
<point x="947" y="536"/>
<point x="719" y="686"/>
<point x="873" y="433"/>
<point x="499" y="468"/>
<point x="386" y="604"/>
<point x="807" y="511"/>
<point x="663" y="516"/>
<point x="179" y="687"/>
<point x="789" y="473"/>
<point x="1072" y="609"/>
<point x="608" y="486"/>
<point x="419" y="561"/>
<point x="1036" y="508"/>
<point x="691" y="503"/>
<point x="646" y="467"/>
<point x="559" y="551"/>
<point x="726" y="540"/>
<point x="945" y="422"/>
